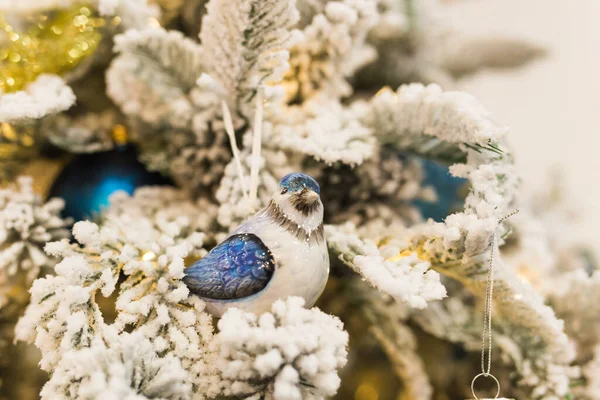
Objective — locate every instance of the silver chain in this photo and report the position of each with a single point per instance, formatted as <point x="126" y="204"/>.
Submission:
<point x="489" y="292"/>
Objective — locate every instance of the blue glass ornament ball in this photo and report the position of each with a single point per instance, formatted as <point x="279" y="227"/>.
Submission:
<point x="87" y="181"/>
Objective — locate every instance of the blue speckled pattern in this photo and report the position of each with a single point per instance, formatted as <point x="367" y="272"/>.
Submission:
<point x="238" y="267"/>
<point x="297" y="181"/>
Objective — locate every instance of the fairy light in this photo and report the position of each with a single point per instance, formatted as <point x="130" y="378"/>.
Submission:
<point x="366" y="392"/>
<point x="401" y="255"/>
<point x="55" y="43"/>
<point x="148" y="256"/>
<point x="119" y="135"/>
<point x="8" y="134"/>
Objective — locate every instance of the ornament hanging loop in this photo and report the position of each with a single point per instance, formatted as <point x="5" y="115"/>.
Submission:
<point x="485" y="375"/>
<point x="486" y="337"/>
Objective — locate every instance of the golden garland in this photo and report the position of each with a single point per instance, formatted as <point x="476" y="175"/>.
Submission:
<point x="56" y="42"/>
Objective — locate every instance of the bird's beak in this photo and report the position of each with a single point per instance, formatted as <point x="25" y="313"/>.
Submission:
<point x="310" y="197"/>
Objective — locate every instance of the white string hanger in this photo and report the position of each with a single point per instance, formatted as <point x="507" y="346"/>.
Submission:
<point x="234" y="148"/>
<point x="256" y="149"/>
<point x="251" y="195"/>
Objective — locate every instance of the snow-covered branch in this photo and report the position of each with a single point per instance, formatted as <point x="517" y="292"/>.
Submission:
<point x="289" y="353"/>
<point x="333" y="47"/>
<point x="577" y="301"/>
<point x="145" y="239"/>
<point x="245" y="44"/>
<point x="175" y="122"/>
<point x="388" y="321"/>
<point x="402" y="276"/>
<point x="26" y="224"/>
<point x="88" y="133"/>
<point x="127" y="367"/>
<point x="325" y="130"/>
<point x="425" y="119"/>
<point x="48" y="94"/>
<point x="153" y="75"/>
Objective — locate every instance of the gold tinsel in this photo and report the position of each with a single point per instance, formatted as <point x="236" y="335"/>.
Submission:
<point x="17" y="147"/>
<point x="55" y="42"/>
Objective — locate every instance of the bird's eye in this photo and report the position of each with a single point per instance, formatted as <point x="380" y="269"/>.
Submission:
<point x="284" y="191"/>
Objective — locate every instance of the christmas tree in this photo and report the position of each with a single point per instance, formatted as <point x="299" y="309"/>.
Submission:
<point x="136" y="135"/>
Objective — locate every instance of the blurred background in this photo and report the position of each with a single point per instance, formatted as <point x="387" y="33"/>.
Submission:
<point x="552" y="105"/>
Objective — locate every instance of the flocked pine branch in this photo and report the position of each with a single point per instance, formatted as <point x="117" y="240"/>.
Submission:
<point x="588" y="389"/>
<point x="122" y="367"/>
<point x="245" y="44"/>
<point x="176" y="124"/>
<point x="289" y="353"/>
<point x="379" y="193"/>
<point x="577" y="300"/>
<point x="456" y="319"/>
<point x="407" y="279"/>
<point x="88" y="133"/>
<point x="388" y="324"/>
<point x="458" y="120"/>
<point x="148" y="247"/>
<point x="433" y="123"/>
<point x="546" y="254"/>
<point x="154" y="74"/>
<point x="543" y="348"/>
<point x="48" y="94"/>
<point x="145" y="238"/>
<point x="26" y="224"/>
<point x="160" y="211"/>
<point x="407" y="364"/>
<point x="326" y="131"/>
<point x="333" y="47"/>
<point x="457" y="247"/>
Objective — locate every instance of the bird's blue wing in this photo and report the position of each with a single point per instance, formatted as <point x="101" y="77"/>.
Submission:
<point x="238" y="267"/>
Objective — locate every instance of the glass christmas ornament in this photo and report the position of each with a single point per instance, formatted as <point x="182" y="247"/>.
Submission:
<point x="277" y="253"/>
<point x="87" y="182"/>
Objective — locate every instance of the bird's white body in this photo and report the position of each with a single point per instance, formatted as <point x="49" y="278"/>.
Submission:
<point x="301" y="259"/>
